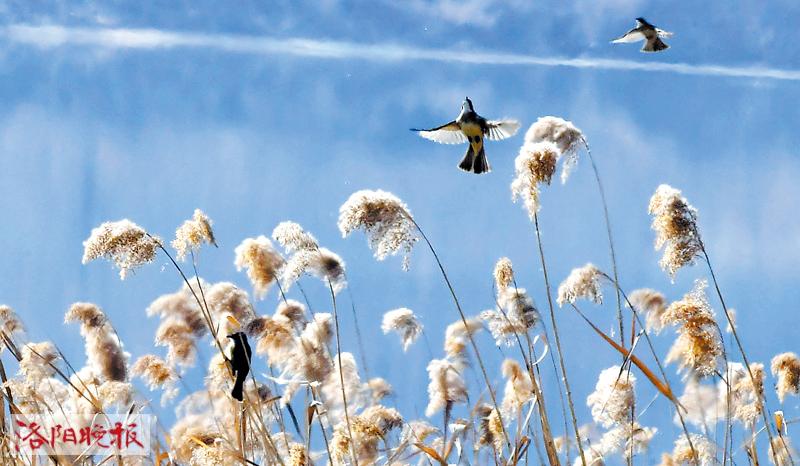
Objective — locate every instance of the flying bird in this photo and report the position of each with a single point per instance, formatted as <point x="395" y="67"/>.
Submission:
<point x="647" y="32"/>
<point x="471" y="128"/>
<point x="239" y="362"/>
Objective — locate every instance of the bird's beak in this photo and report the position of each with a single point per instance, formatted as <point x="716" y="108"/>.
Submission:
<point x="236" y="324"/>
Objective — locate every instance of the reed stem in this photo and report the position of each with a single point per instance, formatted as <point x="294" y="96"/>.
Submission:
<point x="466" y="328"/>
<point x="558" y="340"/>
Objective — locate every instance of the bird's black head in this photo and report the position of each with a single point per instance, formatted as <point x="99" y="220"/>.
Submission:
<point x="467" y="105"/>
<point x="642" y="21"/>
<point x="236" y="336"/>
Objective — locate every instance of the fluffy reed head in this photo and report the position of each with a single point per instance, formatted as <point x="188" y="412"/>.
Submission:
<point x="292" y="237"/>
<point x="446" y="386"/>
<point x="518" y="390"/>
<point x="535" y="165"/>
<point x="262" y="262"/>
<point x="308" y="357"/>
<point x="182" y="306"/>
<point x="298" y="456"/>
<point x="704" y="454"/>
<point x="321" y="263"/>
<point x="273" y="337"/>
<point x="698" y="347"/>
<point x="403" y="322"/>
<point x="457" y="337"/>
<point x="292" y="312"/>
<point x="368" y="429"/>
<point x="652" y="304"/>
<point x="225" y="297"/>
<point x="629" y="439"/>
<point x="10" y="322"/>
<point x="384" y="218"/>
<point x="786" y="367"/>
<point x="124" y="243"/>
<point x="565" y="135"/>
<point x="37" y="360"/>
<point x="613" y="397"/>
<point x="515" y="315"/>
<point x="704" y="404"/>
<point x="675" y="224"/>
<point x="192" y="234"/>
<point x="503" y="274"/>
<point x="781" y="452"/>
<point x="345" y="377"/>
<point x="179" y="338"/>
<point x="490" y="428"/>
<point x="379" y="389"/>
<point x="154" y="371"/>
<point x="103" y="348"/>
<point x="746" y="396"/>
<point x="308" y="257"/>
<point x="582" y="282"/>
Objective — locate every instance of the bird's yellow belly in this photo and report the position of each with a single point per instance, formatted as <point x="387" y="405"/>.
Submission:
<point x="471" y="129"/>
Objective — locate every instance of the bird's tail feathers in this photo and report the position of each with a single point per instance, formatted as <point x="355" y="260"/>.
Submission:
<point x="238" y="386"/>
<point x="481" y="164"/>
<point x="467" y="161"/>
<point x="475" y="163"/>
<point x="656" y="45"/>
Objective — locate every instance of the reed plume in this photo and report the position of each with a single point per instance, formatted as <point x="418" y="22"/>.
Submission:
<point x="786" y="367"/>
<point x="10" y="322"/>
<point x="652" y="304"/>
<point x="403" y="322"/>
<point x="535" y="165"/>
<point x="124" y="243"/>
<point x="103" y="348"/>
<point x="781" y="452"/>
<point x="565" y="135"/>
<point x="446" y="386"/>
<point x="262" y="262"/>
<point x="503" y="274"/>
<point x="157" y="374"/>
<point x="582" y="282"/>
<point x="514" y="316"/>
<point x="612" y="398"/>
<point x="675" y="224"/>
<point x="698" y="347"/>
<point x="384" y="218"/>
<point x="192" y="234"/>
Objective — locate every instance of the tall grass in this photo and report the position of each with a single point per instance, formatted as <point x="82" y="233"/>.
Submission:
<point x="306" y="402"/>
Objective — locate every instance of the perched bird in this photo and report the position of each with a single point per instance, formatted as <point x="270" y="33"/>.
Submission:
<point x="647" y="32"/>
<point x="239" y="362"/>
<point x="472" y="128"/>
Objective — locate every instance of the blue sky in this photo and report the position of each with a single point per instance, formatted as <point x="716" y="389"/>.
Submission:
<point x="219" y="107"/>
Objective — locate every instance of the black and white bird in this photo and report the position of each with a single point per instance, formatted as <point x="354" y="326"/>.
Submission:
<point x="240" y="363"/>
<point x="471" y="128"/>
<point x="648" y="33"/>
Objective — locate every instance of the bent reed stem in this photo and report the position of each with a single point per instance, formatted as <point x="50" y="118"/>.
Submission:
<point x="660" y="366"/>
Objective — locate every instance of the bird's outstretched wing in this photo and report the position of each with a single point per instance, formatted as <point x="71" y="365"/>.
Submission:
<point x="663" y="33"/>
<point x="449" y="133"/>
<point x="631" y="36"/>
<point x="501" y="129"/>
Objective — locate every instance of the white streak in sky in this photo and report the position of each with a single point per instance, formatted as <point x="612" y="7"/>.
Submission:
<point x="148" y="39"/>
